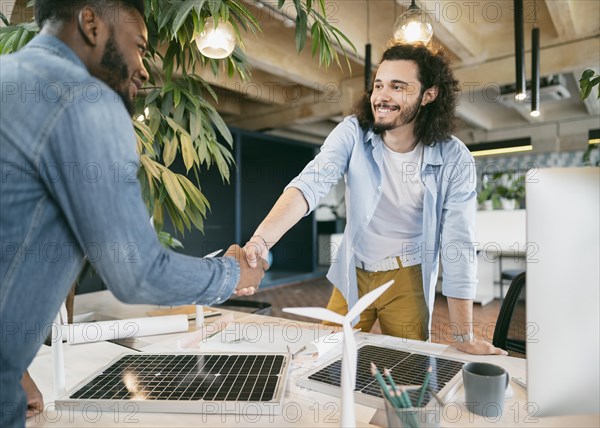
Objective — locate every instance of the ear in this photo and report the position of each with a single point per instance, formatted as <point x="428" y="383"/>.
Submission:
<point x="88" y="22"/>
<point x="429" y="95"/>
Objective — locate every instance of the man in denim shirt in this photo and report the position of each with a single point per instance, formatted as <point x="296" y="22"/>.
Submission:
<point x="410" y="198"/>
<point x="69" y="189"/>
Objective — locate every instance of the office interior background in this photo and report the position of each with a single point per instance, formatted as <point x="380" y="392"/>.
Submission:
<point x="282" y="113"/>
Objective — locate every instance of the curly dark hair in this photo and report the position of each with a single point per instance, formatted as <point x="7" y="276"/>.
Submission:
<point x="65" y="10"/>
<point x="435" y="121"/>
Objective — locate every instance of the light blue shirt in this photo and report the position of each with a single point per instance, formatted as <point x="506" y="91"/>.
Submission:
<point x="449" y="206"/>
<point x="68" y="188"/>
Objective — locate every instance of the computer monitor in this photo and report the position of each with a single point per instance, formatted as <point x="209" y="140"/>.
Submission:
<point x="563" y="283"/>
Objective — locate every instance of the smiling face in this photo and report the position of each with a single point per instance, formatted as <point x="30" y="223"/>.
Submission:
<point x="121" y="65"/>
<point x="396" y="96"/>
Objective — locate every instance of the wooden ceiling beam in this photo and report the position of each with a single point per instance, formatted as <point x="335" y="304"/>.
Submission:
<point x="16" y="11"/>
<point x="563" y="58"/>
<point x="338" y="101"/>
<point x="473" y="115"/>
<point x="261" y="87"/>
<point x="562" y="17"/>
<point x="274" y="51"/>
<point x="454" y="29"/>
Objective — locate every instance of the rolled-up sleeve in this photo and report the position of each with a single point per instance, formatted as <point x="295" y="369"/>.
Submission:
<point x="329" y="166"/>
<point x="458" y="247"/>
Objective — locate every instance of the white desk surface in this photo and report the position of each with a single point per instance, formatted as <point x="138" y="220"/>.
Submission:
<point x="301" y="407"/>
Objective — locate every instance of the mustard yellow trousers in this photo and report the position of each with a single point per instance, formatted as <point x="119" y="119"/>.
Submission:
<point x="401" y="310"/>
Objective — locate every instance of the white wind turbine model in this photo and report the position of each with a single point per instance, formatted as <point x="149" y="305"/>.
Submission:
<point x="349" y="355"/>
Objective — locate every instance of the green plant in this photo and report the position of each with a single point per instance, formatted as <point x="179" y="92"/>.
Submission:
<point x="515" y="189"/>
<point x="175" y="117"/>
<point x="588" y="80"/>
<point x="488" y="192"/>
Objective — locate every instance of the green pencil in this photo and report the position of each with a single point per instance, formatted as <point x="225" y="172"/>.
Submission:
<point x="411" y="411"/>
<point x="382" y="384"/>
<point x="405" y="398"/>
<point x="424" y="387"/>
<point x="390" y="379"/>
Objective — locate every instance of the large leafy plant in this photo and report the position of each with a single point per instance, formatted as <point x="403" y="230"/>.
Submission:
<point x="174" y="116"/>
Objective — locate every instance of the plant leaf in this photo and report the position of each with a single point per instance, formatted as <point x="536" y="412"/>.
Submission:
<point x="301" y="27"/>
<point x="182" y="14"/>
<point x="169" y="150"/>
<point x="195" y="195"/>
<point x="220" y="124"/>
<point x="4" y="19"/>
<point x="174" y="189"/>
<point x="149" y="165"/>
<point x="187" y="150"/>
<point x="587" y="74"/>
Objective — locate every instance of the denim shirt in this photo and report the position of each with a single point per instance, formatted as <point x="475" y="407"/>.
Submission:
<point x="68" y="167"/>
<point x="449" y="206"/>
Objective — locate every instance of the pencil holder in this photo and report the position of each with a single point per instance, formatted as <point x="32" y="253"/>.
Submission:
<point x="412" y="417"/>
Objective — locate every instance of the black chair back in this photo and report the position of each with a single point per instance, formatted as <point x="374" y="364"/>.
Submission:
<point x="511" y="328"/>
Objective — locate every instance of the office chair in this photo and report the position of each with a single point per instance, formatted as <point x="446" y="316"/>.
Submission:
<point x="511" y="329"/>
<point x="507" y="275"/>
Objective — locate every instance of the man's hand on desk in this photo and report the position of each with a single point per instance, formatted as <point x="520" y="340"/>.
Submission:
<point x="35" y="401"/>
<point x="250" y="277"/>
<point x="479" y="347"/>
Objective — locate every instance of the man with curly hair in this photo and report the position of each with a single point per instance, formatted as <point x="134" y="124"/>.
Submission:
<point x="410" y="198"/>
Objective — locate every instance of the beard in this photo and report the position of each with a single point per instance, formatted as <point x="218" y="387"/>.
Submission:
<point x="406" y="116"/>
<point x="116" y="70"/>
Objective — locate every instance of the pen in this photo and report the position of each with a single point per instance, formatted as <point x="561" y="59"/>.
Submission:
<point x="213" y="254"/>
<point x="437" y="397"/>
<point x="299" y="350"/>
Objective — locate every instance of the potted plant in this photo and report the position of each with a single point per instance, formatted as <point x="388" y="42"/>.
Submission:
<point x="488" y="196"/>
<point x="512" y="193"/>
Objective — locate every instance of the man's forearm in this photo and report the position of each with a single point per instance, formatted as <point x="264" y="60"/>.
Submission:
<point x="461" y="315"/>
<point x="287" y="211"/>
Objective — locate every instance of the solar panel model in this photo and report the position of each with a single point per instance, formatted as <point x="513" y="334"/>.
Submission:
<point x="407" y="368"/>
<point x="244" y="383"/>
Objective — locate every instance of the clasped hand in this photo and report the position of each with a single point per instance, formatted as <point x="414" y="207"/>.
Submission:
<point x="250" y="276"/>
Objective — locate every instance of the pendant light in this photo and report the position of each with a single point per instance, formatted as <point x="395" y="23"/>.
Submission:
<point x="520" y="93"/>
<point x="368" y="54"/>
<point x="535" y="66"/>
<point x="217" y="40"/>
<point x="413" y="26"/>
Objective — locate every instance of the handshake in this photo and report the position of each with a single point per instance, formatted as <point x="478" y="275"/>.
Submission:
<point x="253" y="264"/>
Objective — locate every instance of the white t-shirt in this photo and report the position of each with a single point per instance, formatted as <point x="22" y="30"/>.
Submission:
<point x="396" y="228"/>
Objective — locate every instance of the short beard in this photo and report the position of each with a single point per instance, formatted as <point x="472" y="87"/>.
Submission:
<point x="116" y="71"/>
<point x="405" y="117"/>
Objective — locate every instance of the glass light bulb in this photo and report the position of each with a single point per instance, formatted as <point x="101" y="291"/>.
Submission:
<point x="216" y="41"/>
<point x="413" y="26"/>
<point x="535" y="113"/>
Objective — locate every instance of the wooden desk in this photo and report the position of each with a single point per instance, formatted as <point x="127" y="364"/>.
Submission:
<point x="301" y="408"/>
